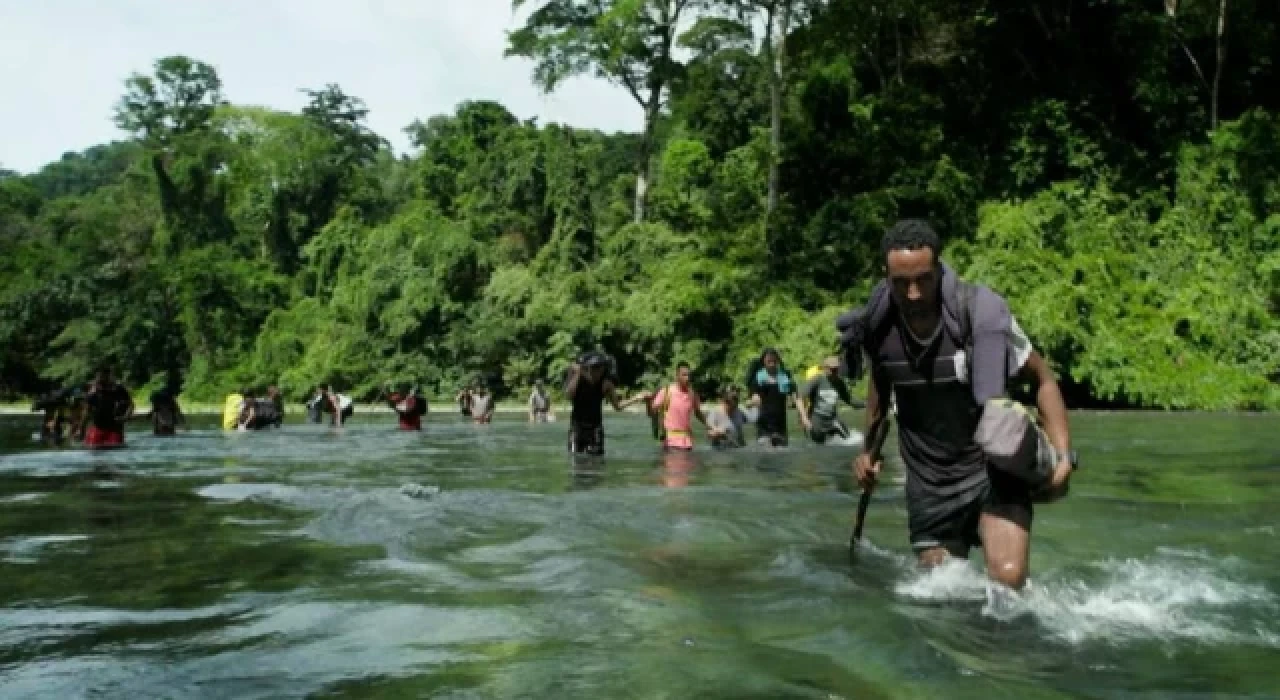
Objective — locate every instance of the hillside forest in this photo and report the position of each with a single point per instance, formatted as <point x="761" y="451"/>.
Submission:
<point x="1112" y="167"/>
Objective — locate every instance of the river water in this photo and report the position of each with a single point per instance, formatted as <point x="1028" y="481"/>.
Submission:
<point x="311" y="562"/>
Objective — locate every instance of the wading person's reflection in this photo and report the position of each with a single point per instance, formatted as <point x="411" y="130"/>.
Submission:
<point x="677" y="466"/>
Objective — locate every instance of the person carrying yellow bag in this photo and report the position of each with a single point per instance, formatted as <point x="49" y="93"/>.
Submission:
<point x="231" y="409"/>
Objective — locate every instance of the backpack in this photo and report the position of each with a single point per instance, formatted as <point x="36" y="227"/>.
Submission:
<point x="658" y="419"/>
<point x="265" y="412"/>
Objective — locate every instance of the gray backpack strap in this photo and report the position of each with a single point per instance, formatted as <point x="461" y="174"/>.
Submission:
<point x="965" y="294"/>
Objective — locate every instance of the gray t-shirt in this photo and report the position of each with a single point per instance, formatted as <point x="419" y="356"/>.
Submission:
<point x="718" y="419"/>
<point x="539" y="402"/>
<point x="825" y="398"/>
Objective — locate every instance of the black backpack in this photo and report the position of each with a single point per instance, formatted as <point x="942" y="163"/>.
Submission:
<point x="266" y="412"/>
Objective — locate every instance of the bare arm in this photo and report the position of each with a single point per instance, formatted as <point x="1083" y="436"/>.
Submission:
<point x="877" y="402"/>
<point x="802" y="403"/>
<point x="1053" y="410"/>
<point x="651" y="401"/>
<point x="571" y="388"/>
<point x="612" y="397"/>
<point x="864" y="470"/>
<point x="337" y="409"/>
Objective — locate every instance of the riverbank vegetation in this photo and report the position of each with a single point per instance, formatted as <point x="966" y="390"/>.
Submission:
<point x="1112" y="168"/>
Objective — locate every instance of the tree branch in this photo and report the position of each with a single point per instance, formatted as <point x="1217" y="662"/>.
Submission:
<point x="1222" y="59"/>
<point x="625" y="77"/>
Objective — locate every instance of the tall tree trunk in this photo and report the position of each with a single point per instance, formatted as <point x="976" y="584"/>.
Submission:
<point x="646" y="150"/>
<point x="774" y="102"/>
<point x="776" y="42"/>
<point x="661" y="73"/>
<point x="897" y="43"/>
<point x="1222" y="59"/>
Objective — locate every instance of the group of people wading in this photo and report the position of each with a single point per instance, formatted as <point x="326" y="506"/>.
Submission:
<point x="945" y="354"/>
<point x="942" y="352"/>
<point x="96" y="412"/>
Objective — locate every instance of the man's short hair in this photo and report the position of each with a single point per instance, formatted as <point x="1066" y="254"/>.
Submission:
<point x="910" y="234"/>
<point x="684" y="365"/>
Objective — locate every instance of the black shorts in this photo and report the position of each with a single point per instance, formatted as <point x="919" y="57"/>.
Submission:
<point x="952" y="522"/>
<point x="586" y="438"/>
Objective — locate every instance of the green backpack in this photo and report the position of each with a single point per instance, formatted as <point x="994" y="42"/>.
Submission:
<point x="657" y="419"/>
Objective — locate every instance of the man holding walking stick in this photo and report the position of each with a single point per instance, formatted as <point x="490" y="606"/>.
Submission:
<point x="946" y="351"/>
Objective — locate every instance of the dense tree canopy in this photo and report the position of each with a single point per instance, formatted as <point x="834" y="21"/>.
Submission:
<point x="1111" y="167"/>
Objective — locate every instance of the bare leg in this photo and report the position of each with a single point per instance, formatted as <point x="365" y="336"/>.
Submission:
<point x="1007" y="547"/>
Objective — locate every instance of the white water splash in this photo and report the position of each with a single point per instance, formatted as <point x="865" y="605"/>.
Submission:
<point x="26" y="550"/>
<point x="419" y="491"/>
<point x="1171" y="596"/>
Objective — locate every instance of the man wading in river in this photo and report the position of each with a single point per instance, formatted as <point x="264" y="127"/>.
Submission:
<point x="166" y="414"/>
<point x="409" y="407"/>
<point x="540" y="404"/>
<point x="588" y="388"/>
<point x="109" y="407"/>
<point x="819" y="401"/>
<point x="946" y="350"/>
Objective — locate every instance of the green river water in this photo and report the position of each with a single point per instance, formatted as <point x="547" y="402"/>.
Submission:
<point x="304" y="563"/>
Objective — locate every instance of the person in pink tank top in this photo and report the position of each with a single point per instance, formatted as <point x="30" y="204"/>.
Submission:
<point x="677" y="405"/>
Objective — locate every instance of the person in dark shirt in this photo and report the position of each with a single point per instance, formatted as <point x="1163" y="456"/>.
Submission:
<point x="109" y="407"/>
<point x="268" y="410"/>
<point x="166" y="414"/>
<point x="587" y="388"/>
<point x="771" y="387"/>
<point x="945" y="350"/>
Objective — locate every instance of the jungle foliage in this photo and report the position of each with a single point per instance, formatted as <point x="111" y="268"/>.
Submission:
<point x="1111" y="166"/>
